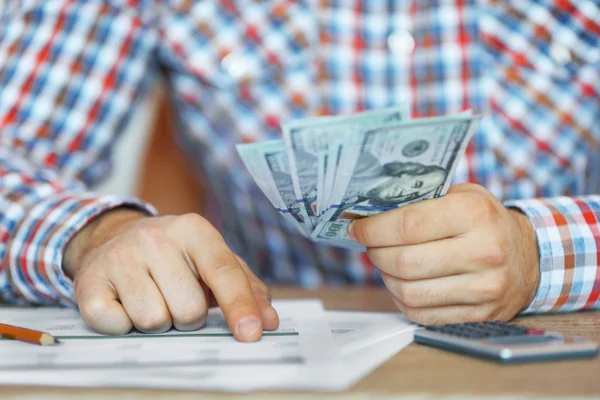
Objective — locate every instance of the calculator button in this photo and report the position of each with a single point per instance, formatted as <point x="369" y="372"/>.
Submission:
<point x="536" y="332"/>
<point x="480" y="330"/>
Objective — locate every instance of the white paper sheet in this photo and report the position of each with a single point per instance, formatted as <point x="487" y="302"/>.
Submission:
<point x="310" y="351"/>
<point x="303" y="337"/>
<point x="354" y="330"/>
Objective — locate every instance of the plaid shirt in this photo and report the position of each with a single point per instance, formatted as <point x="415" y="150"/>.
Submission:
<point x="71" y="72"/>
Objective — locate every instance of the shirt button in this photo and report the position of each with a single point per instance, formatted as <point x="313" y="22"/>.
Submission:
<point x="235" y="65"/>
<point x="401" y="42"/>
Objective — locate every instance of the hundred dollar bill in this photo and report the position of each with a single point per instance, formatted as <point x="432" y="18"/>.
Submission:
<point x="398" y="165"/>
<point x="307" y="138"/>
<point x="349" y="156"/>
<point x="327" y="168"/>
<point x="322" y="166"/>
<point x="268" y="164"/>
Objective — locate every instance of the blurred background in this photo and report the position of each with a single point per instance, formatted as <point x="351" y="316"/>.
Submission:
<point x="128" y="161"/>
<point x="148" y="164"/>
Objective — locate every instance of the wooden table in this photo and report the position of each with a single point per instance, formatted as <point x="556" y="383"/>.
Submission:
<point x="417" y="371"/>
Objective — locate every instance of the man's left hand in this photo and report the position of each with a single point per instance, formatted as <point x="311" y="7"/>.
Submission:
<point x="461" y="257"/>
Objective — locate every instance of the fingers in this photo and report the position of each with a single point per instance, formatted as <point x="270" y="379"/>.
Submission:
<point x="465" y="289"/>
<point x="448" y="314"/>
<point x="181" y="290"/>
<point x="99" y="307"/>
<point x="425" y="261"/>
<point x="220" y="270"/>
<point x="262" y="294"/>
<point x="421" y="222"/>
<point x="167" y="271"/>
<point x="142" y="299"/>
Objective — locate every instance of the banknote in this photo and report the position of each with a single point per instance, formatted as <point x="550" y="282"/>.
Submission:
<point x="322" y="165"/>
<point x="394" y="166"/>
<point x="345" y="164"/>
<point x="252" y="157"/>
<point x="328" y="164"/>
<point x="306" y="139"/>
<point x="268" y="164"/>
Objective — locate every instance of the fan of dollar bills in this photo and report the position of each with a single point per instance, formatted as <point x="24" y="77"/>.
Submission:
<point x="328" y="171"/>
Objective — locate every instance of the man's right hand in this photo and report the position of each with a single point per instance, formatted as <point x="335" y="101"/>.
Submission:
<point x="151" y="273"/>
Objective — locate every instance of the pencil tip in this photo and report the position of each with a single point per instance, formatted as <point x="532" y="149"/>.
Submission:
<point x="47" y="339"/>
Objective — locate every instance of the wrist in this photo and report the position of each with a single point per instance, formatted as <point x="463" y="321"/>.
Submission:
<point x="530" y="259"/>
<point x="98" y="231"/>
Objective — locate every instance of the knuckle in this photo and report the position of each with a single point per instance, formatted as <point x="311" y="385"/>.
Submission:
<point x="95" y="313"/>
<point x="409" y="225"/>
<point x="414" y="314"/>
<point x="408" y="295"/>
<point x="92" y="309"/>
<point x="482" y="209"/>
<point x="153" y="236"/>
<point x="494" y="288"/>
<point x="222" y="266"/>
<point x="476" y="188"/>
<point x="495" y="254"/>
<point x="194" y="222"/>
<point x="464" y="188"/>
<point x="260" y="287"/>
<point x="118" y="252"/>
<point x="466" y="199"/>
<point x="153" y="320"/>
<point x="262" y="292"/>
<point x="411" y="313"/>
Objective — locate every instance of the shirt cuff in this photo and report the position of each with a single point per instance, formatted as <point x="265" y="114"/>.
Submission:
<point x="567" y="252"/>
<point x="35" y="256"/>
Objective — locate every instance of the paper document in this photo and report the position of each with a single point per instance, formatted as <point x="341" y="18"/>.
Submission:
<point x="212" y="345"/>
<point x="311" y="350"/>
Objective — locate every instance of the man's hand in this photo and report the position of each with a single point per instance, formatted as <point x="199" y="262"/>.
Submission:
<point x="458" y="258"/>
<point x="131" y="270"/>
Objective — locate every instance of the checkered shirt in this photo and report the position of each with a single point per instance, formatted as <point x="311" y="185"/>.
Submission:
<point x="72" y="72"/>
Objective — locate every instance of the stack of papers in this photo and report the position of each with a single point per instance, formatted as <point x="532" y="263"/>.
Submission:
<point x="312" y="350"/>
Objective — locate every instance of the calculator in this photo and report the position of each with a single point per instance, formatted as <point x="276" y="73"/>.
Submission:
<point x="505" y="342"/>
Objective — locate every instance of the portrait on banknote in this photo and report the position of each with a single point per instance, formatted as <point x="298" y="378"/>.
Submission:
<point x="375" y="184"/>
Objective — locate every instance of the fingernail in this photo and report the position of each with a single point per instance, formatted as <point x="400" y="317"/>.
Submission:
<point x="268" y="300"/>
<point x="247" y="326"/>
<point x="351" y="231"/>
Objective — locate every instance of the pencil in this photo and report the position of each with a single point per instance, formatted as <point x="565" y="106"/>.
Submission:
<point x="26" y="335"/>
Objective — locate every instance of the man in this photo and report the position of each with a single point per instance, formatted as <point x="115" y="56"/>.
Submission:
<point x="72" y="71"/>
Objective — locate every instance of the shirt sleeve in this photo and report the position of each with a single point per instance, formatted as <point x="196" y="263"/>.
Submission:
<point x="70" y="75"/>
<point x="568" y="235"/>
